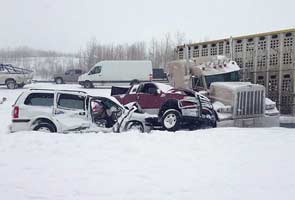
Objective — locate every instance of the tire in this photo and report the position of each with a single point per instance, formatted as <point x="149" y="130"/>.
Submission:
<point x="45" y="127"/>
<point x="88" y="84"/>
<point x="134" y="82"/>
<point x="11" y="84"/>
<point x="171" y="120"/>
<point x="135" y="126"/>
<point x="59" y="80"/>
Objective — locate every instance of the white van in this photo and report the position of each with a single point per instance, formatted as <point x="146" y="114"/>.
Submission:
<point x="111" y="73"/>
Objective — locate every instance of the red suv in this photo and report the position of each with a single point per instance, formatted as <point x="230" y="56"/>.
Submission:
<point x="174" y="108"/>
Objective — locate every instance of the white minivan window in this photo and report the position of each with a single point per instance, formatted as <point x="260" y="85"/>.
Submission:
<point x="40" y="99"/>
<point x="71" y="101"/>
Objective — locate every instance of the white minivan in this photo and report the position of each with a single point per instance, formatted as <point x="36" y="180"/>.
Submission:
<point x="64" y="111"/>
<point x="117" y="72"/>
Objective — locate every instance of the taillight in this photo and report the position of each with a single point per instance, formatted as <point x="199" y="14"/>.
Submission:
<point x="15" y="113"/>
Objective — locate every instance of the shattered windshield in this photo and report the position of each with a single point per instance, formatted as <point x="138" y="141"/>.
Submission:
<point x="228" y="77"/>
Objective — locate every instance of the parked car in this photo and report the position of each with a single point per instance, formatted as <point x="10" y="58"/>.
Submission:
<point x="73" y="111"/>
<point x="120" y="72"/>
<point x="175" y="108"/>
<point x="14" y="77"/>
<point x="70" y="75"/>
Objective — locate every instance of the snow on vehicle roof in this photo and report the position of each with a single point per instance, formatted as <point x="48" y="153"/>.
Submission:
<point x="165" y="88"/>
<point x="106" y="93"/>
<point x="123" y="61"/>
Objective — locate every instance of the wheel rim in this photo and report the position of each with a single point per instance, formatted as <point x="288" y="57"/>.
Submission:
<point x="58" y="81"/>
<point x="136" y="127"/>
<point x="11" y="85"/>
<point x="170" y="121"/>
<point x="87" y="85"/>
<point x="44" y="129"/>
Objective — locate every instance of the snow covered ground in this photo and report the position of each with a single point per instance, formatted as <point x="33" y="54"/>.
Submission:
<point x="221" y="163"/>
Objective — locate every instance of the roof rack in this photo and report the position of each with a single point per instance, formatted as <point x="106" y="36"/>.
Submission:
<point x="59" y="90"/>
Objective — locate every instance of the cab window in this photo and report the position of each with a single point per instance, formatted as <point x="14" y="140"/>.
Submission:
<point x="133" y="90"/>
<point x="148" y="88"/>
<point x="78" y="71"/>
<point x="69" y="72"/>
<point x="71" y="101"/>
<point x="95" y="70"/>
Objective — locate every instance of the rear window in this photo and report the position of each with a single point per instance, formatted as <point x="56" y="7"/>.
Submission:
<point x="40" y="99"/>
<point x="71" y="101"/>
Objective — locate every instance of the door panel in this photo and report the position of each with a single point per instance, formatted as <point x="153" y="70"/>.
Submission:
<point x="70" y="111"/>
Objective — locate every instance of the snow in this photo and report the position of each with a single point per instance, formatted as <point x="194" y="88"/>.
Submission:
<point x="163" y="87"/>
<point x="221" y="163"/>
<point x="232" y="86"/>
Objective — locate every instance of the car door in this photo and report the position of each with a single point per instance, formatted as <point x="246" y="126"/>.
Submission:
<point x="78" y="72"/>
<point x="69" y="75"/>
<point x="131" y="96"/>
<point x="70" y="111"/>
<point x="150" y="98"/>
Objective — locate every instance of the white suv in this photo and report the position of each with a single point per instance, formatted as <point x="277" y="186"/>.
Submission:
<point x="73" y="111"/>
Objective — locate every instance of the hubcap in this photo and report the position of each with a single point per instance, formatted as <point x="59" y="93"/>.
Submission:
<point x="44" y="129"/>
<point x="135" y="127"/>
<point x="87" y="85"/>
<point x="170" y="120"/>
<point x="58" y="81"/>
<point x="11" y="85"/>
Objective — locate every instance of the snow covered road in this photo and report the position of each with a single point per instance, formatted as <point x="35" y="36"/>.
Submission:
<point x="222" y="163"/>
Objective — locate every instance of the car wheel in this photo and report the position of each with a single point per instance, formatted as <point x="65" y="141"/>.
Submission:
<point x="88" y="84"/>
<point x="171" y="120"/>
<point x="45" y="127"/>
<point x="136" y="126"/>
<point x="11" y="84"/>
<point x="59" y="81"/>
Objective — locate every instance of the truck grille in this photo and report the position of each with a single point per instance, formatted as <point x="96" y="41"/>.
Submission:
<point x="249" y="103"/>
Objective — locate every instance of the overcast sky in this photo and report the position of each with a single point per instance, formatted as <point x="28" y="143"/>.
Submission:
<point x="66" y="25"/>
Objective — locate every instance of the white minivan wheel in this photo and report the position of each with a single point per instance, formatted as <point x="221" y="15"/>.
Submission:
<point x="45" y="127"/>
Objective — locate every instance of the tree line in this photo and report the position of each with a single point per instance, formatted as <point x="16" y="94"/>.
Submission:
<point x="45" y="63"/>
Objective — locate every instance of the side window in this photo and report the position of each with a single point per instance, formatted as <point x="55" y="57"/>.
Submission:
<point x="40" y="99"/>
<point x="67" y="72"/>
<point x="96" y="70"/>
<point x="148" y="89"/>
<point x="198" y="82"/>
<point x="78" y="71"/>
<point x="71" y="101"/>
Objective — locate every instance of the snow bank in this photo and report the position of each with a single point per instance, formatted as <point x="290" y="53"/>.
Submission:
<point x="227" y="163"/>
<point x="222" y="163"/>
